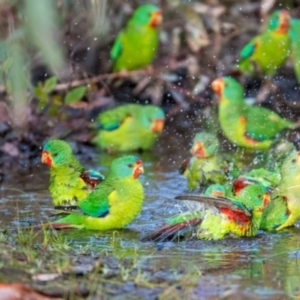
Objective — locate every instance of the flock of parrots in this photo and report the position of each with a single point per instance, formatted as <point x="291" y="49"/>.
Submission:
<point x="229" y="201"/>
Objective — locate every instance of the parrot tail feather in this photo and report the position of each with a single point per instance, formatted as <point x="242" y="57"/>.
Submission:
<point x="173" y="232"/>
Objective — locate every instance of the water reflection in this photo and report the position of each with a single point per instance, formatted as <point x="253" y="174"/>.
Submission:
<point x="265" y="267"/>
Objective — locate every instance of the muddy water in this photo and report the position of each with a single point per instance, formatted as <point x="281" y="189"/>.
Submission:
<point x="265" y="267"/>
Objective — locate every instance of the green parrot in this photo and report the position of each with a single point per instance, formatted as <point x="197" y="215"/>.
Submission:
<point x="70" y="183"/>
<point x="239" y="216"/>
<point x="136" y="45"/>
<point x="268" y="51"/>
<point x="113" y="204"/>
<point x="269" y="179"/>
<point x="206" y="165"/>
<point x="284" y="208"/>
<point x="294" y="34"/>
<point x="251" y="127"/>
<point x="129" y="127"/>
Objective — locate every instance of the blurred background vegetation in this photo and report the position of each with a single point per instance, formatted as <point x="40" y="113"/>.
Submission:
<point x="55" y="67"/>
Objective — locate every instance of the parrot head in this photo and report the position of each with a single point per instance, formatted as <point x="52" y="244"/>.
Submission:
<point x="127" y="167"/>
<point x="204" y="145"/>
<point x="153" y="118"/>
<point x="56" y="154"/>
<point x="280" y="21"/>
<point x="215" y="190"/>
<point x="255" y="197"/>
<point x="240" y="183"/>
<point x="147" y="15"/>
<point x="228" y="89"/>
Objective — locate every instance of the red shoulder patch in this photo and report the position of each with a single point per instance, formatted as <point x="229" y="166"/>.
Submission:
<point x="236" y="216"/>
<point x="91" y="182"/>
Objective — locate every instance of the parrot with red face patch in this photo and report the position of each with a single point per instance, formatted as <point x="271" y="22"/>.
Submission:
<point x="284" y="209"/>
<point x="238" y="216"/>
<point x="251" y="127"/>
<point x="268" y="51"/>
<point x="136" y="45"/>
<point x="129" y="127"/>
<point x="113" y="204"/>
<point x="206" y="165"/>
<point x="70" y="182"/>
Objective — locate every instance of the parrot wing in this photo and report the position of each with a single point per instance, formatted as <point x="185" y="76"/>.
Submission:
<point x="263" y="124"/>
<point x="97" y="203"/>
<point x="92" y="177"/>
<point x="294" y="34"/>
<point x="112" y="119"/>
<point x="217" y="202"/>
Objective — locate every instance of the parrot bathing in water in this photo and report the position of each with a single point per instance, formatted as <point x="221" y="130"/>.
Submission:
<point x="113" y="204"/>
<point x="239" y="216"/>
<point x="251" y="127"/>
<point x="268" y="51"/>
<point x="136" y="45"/>
<point x="284" y="208"/>
<point x="70" y="183"/>
<point x="129" y="127"/>
<point x="205" y="166"/>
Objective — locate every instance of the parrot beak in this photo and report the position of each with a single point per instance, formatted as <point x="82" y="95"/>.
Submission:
<point x="156" y="18"/>
<point x="267" y="199"/>
<point x="46" y="158"/>
<point x="158" y="126"/>
<point x="284" y="22"/>
<point x="217" y="85"/>
<point x="198" y="150"/>
<point x="138" y="169"/>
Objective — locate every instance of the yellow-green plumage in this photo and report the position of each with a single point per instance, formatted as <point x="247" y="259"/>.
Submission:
<point x="239" y="216"/>
<point x="251" y="127"/>
<point x="136" y="45"/>
<point x="294" y="35"/>
<point x="113" y="204"/>
<point x="284" y="209"/>
<point x="268" y="51"/>
<point x="206" y="165"/>
<point x="129" y="127"/>
<point x="70" y="183"/>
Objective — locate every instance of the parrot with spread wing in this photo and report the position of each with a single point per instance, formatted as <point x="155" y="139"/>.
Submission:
<point x="112" y="205"/>
<point x="129" y="127"/>
<point x="247" y="126"/>
<point x="136" y="45"/>
<point x="70" y="182"/>
<point x="268" y="51"/>
<point x="238" y="216"/>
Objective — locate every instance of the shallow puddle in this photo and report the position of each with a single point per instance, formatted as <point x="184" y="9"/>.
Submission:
<point x="265" y="267"/>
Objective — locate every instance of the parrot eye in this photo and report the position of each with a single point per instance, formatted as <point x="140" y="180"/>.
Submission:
<point x="55" y="154"/>
<point x="130" y="165"/>
<point x="294" y="161"/>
